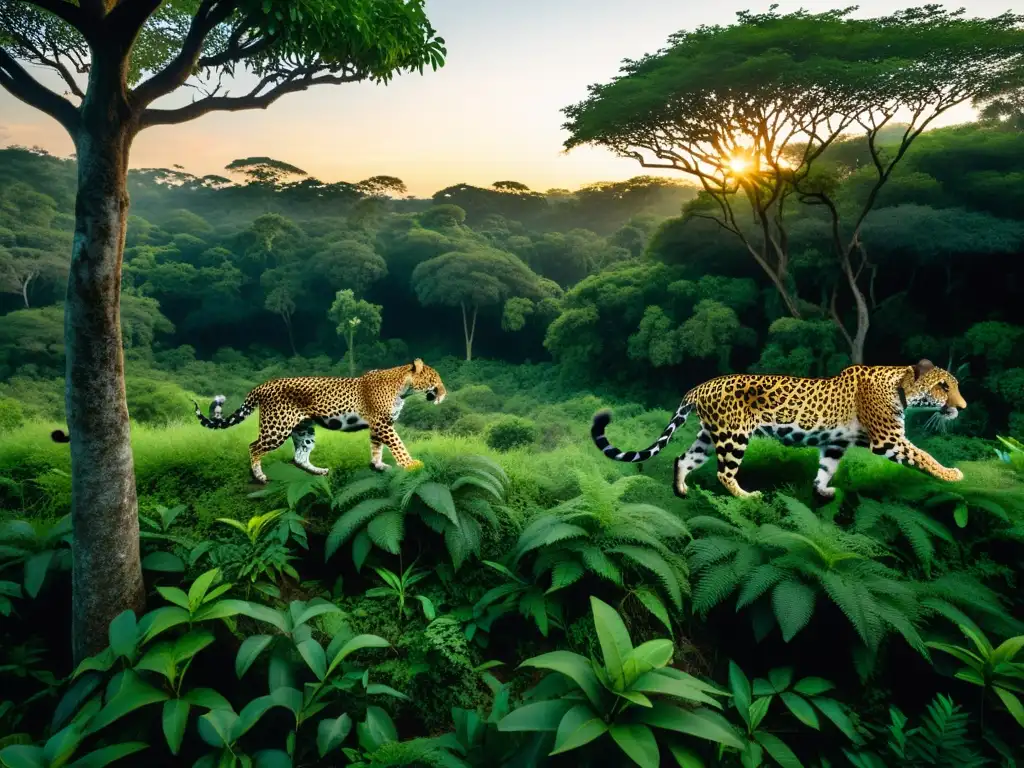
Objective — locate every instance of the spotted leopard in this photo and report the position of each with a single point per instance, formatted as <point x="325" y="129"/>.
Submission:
<point x="296" y="406"/>
<point x="862" y="405"/>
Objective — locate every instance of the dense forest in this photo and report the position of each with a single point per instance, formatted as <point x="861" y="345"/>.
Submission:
<point x="521" y="600"/>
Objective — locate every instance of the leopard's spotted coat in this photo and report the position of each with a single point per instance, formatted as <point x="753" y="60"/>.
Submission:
<point x="863" y="405"/>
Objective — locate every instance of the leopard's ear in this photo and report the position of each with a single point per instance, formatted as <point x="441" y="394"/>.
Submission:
<point x="417" y="366"/>
<point x="922" y="367"/>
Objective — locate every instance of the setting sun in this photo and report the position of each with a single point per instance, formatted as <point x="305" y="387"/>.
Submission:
<point x="739" y="164"/>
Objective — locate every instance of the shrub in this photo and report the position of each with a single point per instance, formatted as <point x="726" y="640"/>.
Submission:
<point x="11" y="415"/>
<point x="480" y="397"/>
<point x="511" y="432"/>
<point x="156" y="402"/>
<point x="470" y="424"/>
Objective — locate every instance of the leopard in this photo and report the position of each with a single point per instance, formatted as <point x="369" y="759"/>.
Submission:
<point x="294" y="407"/>
<point x="862" y="405"/>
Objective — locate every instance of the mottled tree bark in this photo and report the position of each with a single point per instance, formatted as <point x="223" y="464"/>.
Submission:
<point x="107" y="573"/>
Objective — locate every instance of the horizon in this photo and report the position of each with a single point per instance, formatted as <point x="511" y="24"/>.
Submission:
<point x="476" y="141"/>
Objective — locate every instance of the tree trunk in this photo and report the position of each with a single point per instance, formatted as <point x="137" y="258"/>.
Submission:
<point x="863" y="314"/>
<point x="107" y="574"/>
<point x="352" y="353"/>
<point x="468" y="330"/>
<point x="24" y="290"/>
<point x="291" y="337"/>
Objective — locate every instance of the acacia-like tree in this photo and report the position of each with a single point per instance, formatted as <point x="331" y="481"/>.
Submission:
<point x="265" y="171"/>
<point x="750" y="111"/>
<point x="118" y="59"/>
<point x="483" y="277"/>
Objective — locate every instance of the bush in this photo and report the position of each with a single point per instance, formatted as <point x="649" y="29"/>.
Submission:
<point x="470" y="424"/>
<point x="11" y="415"/>
<point x="480" y="397"/>
<point x="419" y="414"/>
<point x="157" y="402"/>
<point x="511" y="432"/>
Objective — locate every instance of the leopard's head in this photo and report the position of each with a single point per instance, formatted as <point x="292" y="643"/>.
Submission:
<point x="928" y="386"/>
<point x="423" y="378"/>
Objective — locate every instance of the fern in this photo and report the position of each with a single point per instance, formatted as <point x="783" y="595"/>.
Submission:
<point x="885" y="521"/>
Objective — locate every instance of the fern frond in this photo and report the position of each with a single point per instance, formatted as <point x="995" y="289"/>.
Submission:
<point x="352" y="491"/>
<point x="352" y="521"/>
<point x="856" y="604"/>
<point x="702" y="553"/>
<point x="657" y="565"/>
<point x="457" y="544"/>
<point x="565" y="573"/>
<point x="793" y="606"/>
<point x="596" y="561"/>
<point x="758" y="581"/>
<point x="714" y="585"/>
<point x="387" y="530"/>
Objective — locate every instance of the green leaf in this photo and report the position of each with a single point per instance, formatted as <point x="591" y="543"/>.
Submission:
<point x="655" y="682"/>
<point x="702" y="723"/>
<point x="361" y="546"/>
<point x="1012" y="704"/>
<point x="758" y="710"/>
<point x="813" y="686"/>
<point x="835" y="712"/>
<point x="793" y="604"/>
<point x="62" y="745"/>
<point x="249" y="651"/>
<point x="654" y="654"/>
<point x="357" y="643"/>
<point x="653" y="603"/>
<point x="22" y="756"/>
<point x="107" y="755"/>
<point x="579" y="726"/>
<point x="174" y="595"/>
<point x="175" y="719"/>
<point x="160" y="620"/>
<point x="379" y="689"/>
<point x="122" y="632"/>
<point x="256" y="611"/>
<point x="314" y="609"/>
<point x="775" y="747"/>
<point x="163" y="562"/>
<point x="313" y="654"/>
<point x="740" y="687"/>
<point x="159" y="659"/>
<point x="101" y="662"/>
<point x="199" y="588"/>
<point x="635" y="697"/>
<point x="36" y="568"/>
<point x="438" y="498"/>
<point x="1007" y="650"/>
<point x="960" y="515"/>
<point x="133" y="694"/>
<point x="378" y="728"/>
<point x="539" y="716"/>
<point x="639" y="744"/>
<point x="188" y="645"/>
<point x="575" y="667"/>
<point x="614" y="640"/>
<point x="331" y="733"/>
<point x="429" y="612"/>
<point x="207" y="698"/>
<point x="685" y="757"/>
<point x="216" y="725"/>
<point x="803" y="711"/>
<point x="780" y="678"/>
<point x="353" y="520"/>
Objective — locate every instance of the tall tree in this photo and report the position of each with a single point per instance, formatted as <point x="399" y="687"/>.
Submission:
<point x="19" y="267"/>
<point x="750" y="110"/>
<point x="265" y="171"/>
<point x="474" y="279"/>
<point x="355" y="318"/>
<point x="134" y="53"/>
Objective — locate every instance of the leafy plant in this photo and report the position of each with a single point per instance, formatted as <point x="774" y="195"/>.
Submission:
<point x="628" y="696"/>
<point x="802" y="698"/>
<point x="452" y="498"/>
<point x="40" y="547"/>
<point x="264" y="553"/>
<point x="993" y="669"/>
<point x="397" y="585"/>
<point x="941" y="740"/>
<point x="885" y="521"/>
<point x="155" y="559"/>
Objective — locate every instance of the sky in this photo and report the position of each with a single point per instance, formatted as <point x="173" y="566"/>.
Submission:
<point x="492" y="113"/>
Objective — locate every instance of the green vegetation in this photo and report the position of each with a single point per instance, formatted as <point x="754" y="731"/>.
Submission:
<point x="521" y="600"/>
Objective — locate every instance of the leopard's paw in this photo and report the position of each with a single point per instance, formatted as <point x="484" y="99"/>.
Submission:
<point x="414" y="465"/>
<point x="954" y="475"/>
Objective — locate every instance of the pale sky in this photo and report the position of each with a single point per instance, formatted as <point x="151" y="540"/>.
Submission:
<point x="491" y="113"/>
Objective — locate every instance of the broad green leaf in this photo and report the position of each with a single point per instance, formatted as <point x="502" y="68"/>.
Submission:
<point x="357" y="643"/>
<point x="36" y="568"/>
<point x="250" y="715"/>
<point x="134" y="694"/>
<point x="101" y="662"/>
<point x="439" y="499"/>
<point x="573" y="666"/>
<point x="331" y="733"/>
<point x="429" y="612"/>
<point x="104" y="756"/>
<point x="163" y="562"/>
<point x="654" y="654"/>
<point x="160" y="620"/>
<point x="313" y="654"/>
<point x="579" y="726"/>
<point x="758" y="710"/>
<point x="702" y="723"/>
<point x="216" y="725"/>
<point x="62" y="745"/>
<point x="780" y="678"/>
<point x="1012" y="704"/>
<point x="188" y="645"/>
<point x="122" y="633"/>
<point x="159" y="659"/>
<point x="967" y="657"/>
<point x="22" y="756"/>
<point x="361" y="546"/>
<point x="378" y="727"/>
<point x="741" y="693"/>
<point x="685" y="757"/>
<point x="175" y="720"/>
<point x="653" y="603"/>
<point x="813" y="686"/>
<point x="249" y="651"/>
<point x="777" y="748"/>
<point x="379" y="689"/>
<point x="835" y="712"/>
<point x="960" y="515"/>
<point x="199" y="588"/>
<point x="258" y="612"/>
<point x="317" y="609"/>
<point x="614" y="640"/>
<point x="1007" y="650"/>
<point x="635" y="697"/>
<point x="638" y="742"/>
<point x="539" y="716"/>
<point x="207" y="698"/>
<point x="803" y="711"/>
<point x="655" y="682"/>
<point x="174" y="595"/>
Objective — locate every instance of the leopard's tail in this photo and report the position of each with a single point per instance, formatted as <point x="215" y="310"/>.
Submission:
<point x="603" y="418"/>
<point x="250" y="404"/>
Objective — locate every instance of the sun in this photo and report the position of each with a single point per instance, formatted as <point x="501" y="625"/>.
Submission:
<point x="738" y="164"/>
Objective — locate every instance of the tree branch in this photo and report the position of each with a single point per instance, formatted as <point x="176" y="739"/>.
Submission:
<point x="20" y="84"/>
<point x="127" y="18"/>
<point x="252" y="100"/>
<point x="72" y="14"/>
<point x="210" y="14"/>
